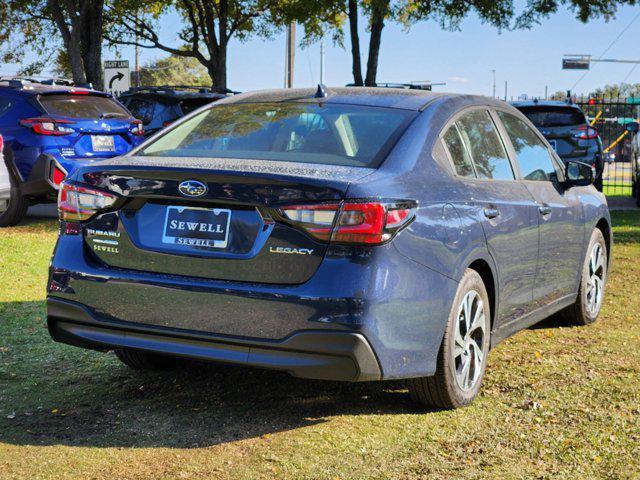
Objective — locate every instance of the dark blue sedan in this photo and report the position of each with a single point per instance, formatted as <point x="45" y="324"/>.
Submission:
<point x="347" y="234"/>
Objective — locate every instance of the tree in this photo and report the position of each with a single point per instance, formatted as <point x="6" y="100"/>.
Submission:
<point x="379" y="13"/>
<point x="77" y="24"/>
<point x="174" y="70"/>
<point x="209" y="25"/>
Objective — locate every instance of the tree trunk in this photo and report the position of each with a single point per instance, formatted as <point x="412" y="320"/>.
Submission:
<point x="70" y="39"/>
<point x="379" y="10"/>
<point x="92" y="43"/>
<point x="220" y="80"/>
<point x="355" y="43"/>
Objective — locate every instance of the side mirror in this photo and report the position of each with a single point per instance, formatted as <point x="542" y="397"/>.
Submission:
<point x="579" y="174"/>
<point x="632" y="127"/>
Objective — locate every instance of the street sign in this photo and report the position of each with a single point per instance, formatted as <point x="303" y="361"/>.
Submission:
<point x="575" y="63"/>
<point x="117" y="78"/>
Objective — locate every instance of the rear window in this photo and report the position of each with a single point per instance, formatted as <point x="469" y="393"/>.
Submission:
<point x="188" y="106"/>
<point x="346" y="135"/>
<point x="83" y="106"/>
<point x="554" y="116"/>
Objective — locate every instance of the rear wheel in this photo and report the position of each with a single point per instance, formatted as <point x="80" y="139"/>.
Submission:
<point x="462" y="357"/>
<point x="592" y="283"/>
<point x="16" y="209"/>
<point x="144" y="361"/>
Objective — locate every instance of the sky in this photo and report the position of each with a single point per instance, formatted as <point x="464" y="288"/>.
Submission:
<point x="528" y="60"/>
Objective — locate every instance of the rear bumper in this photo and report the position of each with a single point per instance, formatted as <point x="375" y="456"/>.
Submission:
<point x="325" y="355"/>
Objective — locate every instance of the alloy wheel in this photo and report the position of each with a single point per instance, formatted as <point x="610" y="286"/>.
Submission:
<point x="468" y="351"/>
<point x="595" y="283"/>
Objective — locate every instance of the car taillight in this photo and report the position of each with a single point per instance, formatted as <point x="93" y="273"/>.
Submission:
<point x="585" y="133"/>
<point x="137" y="128"/>
<point x="76" y="203"/>
<point x="366" y="223"/>
<point x="47" y="126"/>
<point x="1" y="145"/>
<point x="57" y="175"/>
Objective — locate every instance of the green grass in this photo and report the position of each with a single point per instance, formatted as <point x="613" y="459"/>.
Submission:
<point x="613" y="189"/>
<point x="558" y="402"/>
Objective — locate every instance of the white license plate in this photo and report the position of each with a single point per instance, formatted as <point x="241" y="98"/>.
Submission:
<point x="197" y="227"/>
<point x="102" y="143"/>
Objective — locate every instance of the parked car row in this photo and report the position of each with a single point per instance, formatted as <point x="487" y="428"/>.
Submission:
<point x="50" y="128"/>
<point x="345" y="234"/>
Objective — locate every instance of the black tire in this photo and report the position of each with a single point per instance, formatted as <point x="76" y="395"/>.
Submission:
<point x="443" y="390"/>
<point x="139" y="360"/>
<point x="579" y="313"/>
<point x="17" y="208"/>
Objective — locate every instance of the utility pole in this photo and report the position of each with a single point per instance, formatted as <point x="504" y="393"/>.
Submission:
<point x="322" y="62"/>
<point x="136" y="67"/>
<point x="505" y="90"/>
<point x="493" y="72"/>
<point x="290" y="54"/>
<point x="546" y="92"/>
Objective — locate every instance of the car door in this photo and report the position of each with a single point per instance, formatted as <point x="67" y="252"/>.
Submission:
<point x="559" y="212"/>
<point x="502" y="204"/>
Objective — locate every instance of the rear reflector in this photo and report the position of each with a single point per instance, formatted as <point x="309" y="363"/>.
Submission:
<point x="76" y="203"/>
<point x="367" y="223"/>
<point x="57" y="176"/>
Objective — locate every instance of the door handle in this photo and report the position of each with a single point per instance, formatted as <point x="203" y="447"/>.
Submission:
<point x="491" y="212"/>
<point x="544" y="210"/>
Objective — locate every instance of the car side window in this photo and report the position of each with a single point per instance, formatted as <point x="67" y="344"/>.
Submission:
<point x="481" y="138"/>
<point x="458" y="152"/>
<point x="534" y="157"/>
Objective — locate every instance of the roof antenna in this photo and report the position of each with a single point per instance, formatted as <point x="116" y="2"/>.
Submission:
<point x="321" y="92"/>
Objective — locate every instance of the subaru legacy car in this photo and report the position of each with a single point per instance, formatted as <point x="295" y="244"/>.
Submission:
<point x="353" y="234"/>
<point x="566" y="128"/>
<point x="49" y="130"/>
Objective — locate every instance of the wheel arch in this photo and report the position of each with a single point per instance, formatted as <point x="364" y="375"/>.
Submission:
<point x="604" y="226"/>
<point x="484" y="269"/>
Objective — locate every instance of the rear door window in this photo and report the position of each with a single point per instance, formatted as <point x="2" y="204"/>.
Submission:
<point x="481" y="138"/>
<point x="458" y="152"/>
<point x="554" y="116"/>
<point x="534" y="157"/>
<point x="82" y="106"/>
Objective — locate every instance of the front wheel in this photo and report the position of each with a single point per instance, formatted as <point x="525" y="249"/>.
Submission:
<point x="462" y="358"/>
<point x="592" y="283"/>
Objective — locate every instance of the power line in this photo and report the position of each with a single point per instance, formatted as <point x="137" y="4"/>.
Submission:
<point x="608" y="48"/>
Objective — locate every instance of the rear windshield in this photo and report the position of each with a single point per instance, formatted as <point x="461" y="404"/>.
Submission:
<point x="346" y="135"/>
<point x="188" y="106"/>
<point x="554" y="116"/>
<point x="83" y="106"/>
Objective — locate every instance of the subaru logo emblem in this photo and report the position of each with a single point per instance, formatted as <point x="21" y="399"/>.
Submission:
<point x="192" y="188"/>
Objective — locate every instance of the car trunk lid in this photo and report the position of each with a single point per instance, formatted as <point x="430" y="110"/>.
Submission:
<point x="213" y="218"/>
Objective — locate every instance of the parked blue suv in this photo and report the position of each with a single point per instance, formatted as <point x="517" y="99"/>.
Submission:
<point x="51" y="129"/>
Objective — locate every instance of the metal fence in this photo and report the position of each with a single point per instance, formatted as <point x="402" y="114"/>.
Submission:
<point x="609" y="115"/>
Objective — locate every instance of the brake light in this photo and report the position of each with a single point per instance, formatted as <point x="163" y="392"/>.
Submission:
<point x="137" y="128"/>
<point x="79" y="92"/>
<point x="166" y="123"/>
<point x="47" y="126"/>
<point x="367" y="223"/>
<point x="1" y="145"/>
<point x="585" y="133"/>
<point x="76" y="203"/>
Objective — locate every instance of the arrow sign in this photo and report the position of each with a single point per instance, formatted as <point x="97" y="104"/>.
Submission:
<point x="118" y="76"/>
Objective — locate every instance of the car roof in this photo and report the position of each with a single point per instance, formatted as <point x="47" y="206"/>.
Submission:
<point x="366" y="96"/>
<point x="544" y="103"/>
<point x="28" y="89"/>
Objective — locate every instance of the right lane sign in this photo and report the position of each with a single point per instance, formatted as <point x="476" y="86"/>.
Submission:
<point x="117" y="78"/>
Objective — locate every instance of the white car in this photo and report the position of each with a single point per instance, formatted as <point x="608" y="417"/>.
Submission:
<point x="5" y="181"/>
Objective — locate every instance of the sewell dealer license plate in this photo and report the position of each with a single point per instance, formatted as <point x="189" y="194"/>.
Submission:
<point x="197" y="227"/>
<point x="102" y="143"/>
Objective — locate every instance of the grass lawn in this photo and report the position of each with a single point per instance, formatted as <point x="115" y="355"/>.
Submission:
<point x="558" y="402"/>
